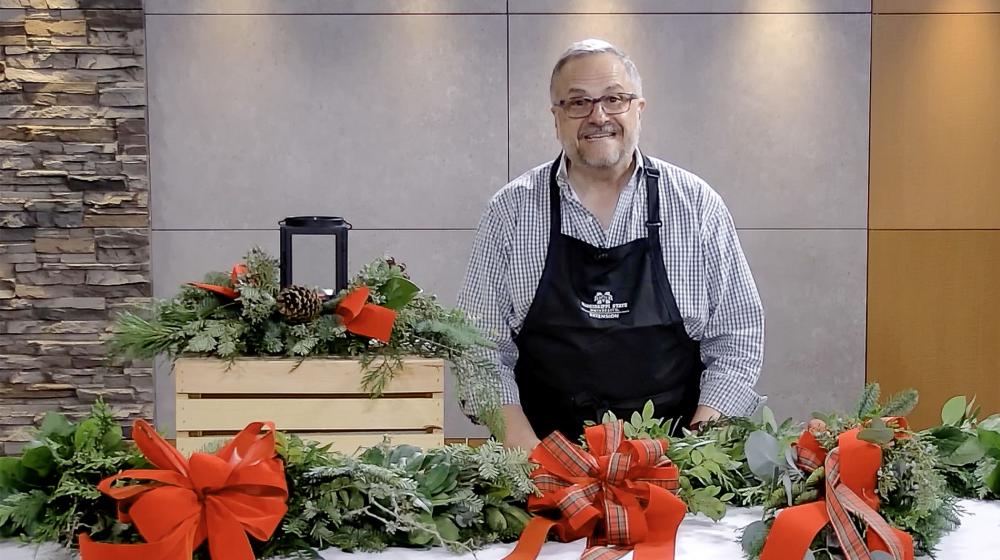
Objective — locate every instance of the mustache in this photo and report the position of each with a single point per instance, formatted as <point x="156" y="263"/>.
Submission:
<point x="609" y="128"/>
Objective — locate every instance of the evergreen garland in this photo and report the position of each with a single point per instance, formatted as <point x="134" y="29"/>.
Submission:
<point x="198" y="321"/>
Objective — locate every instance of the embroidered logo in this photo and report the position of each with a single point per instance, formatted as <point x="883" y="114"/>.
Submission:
<point x="604" y="307"/>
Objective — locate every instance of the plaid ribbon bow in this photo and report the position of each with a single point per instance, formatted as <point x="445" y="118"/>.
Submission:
<point x="851" y="477"/>
<point x="621" y="497"/>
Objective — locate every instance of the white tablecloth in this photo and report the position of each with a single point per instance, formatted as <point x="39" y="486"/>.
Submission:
<point x="699" y="538"/>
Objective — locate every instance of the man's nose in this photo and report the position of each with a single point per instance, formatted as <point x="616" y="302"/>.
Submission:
<point x="597" y="114"/>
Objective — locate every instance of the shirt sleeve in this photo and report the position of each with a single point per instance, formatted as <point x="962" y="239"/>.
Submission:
<point x="486" y="299"/>
<point x="732" y="345"/>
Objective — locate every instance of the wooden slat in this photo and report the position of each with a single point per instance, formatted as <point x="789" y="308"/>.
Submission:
<point x="933" y="324"/>
<point x="935" y="122"/>
<point x="277" y="376"/>
<point x="935" y="6"/>
<point x="311" y="414"/>
<point x="344" y="443"/>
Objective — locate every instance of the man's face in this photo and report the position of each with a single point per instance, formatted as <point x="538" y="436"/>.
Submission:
<point x="598" y="140"/>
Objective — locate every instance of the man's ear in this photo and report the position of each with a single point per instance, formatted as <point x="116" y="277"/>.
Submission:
<point x="555" y="120"/>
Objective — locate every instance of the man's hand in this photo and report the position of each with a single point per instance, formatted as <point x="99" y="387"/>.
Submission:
<point x="519" y="432"/>
<point x="704" y="414"/>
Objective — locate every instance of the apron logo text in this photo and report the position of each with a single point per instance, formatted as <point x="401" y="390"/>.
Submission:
<point x="604" y="307"/>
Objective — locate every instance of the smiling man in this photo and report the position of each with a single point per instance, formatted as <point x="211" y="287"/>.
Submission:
<point x="607" y="278"/>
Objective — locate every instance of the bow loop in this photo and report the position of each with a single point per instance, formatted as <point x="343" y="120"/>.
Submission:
<point x="851" y="471"/>
<point x="363" y="318"/>
<point x="618" y="496"/>
<point x="215" y="497"/>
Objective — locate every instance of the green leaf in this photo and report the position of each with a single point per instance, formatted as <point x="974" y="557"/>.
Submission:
<point x="54" y="425"/>
<point x="636" y="419"/>
<point x="398" y="292"/>
<point x="696" y="457"/>
<point x="989" y="435"/>
<point x="38" y="458"/>
<point x="969" y="452"/>
<point x="953" y="411"/>
<point x="8" y="474"/>
<point x="647" y="411"/>
<point x="877" y="432"/>
<point x="768" y="417"/>
<point x="992" y="480"/>
<point x="763" y="451"/>
<point x="753" y="535"/>
<point x="447" y="528"/>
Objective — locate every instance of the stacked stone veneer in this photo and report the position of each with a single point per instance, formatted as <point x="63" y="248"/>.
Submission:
<point x="74" y="207"/>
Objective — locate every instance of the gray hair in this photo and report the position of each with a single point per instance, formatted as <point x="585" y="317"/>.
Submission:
<point x="590" y="47"/>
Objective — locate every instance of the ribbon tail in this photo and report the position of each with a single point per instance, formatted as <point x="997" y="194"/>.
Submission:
<point x="875" y="542"/>
<point x="373" y="321"/>
<point x="664" y="513"/>
<point x="178" y="546"/>
<point x="794" y="530"/>
<point x="608" y="553"/>
<point x="532" y="539"/>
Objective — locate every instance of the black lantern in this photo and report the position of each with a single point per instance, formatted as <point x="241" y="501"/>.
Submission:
<point x="315" y="225"/>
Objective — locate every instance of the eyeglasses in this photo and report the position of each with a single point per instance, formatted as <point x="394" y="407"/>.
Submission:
<point x="612" y="103"/>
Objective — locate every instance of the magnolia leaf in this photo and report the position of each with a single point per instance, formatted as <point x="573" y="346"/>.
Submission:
<point x="398" y="291"/>
<point x="953" y="411"/>
<point x="763" y="451"/>
<point x="753" y="535"/>
<point x="969" y="452"/>
<point x="949" y="438"/>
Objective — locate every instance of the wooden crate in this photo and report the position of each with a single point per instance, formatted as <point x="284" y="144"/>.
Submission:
<point x="321" y="400"/>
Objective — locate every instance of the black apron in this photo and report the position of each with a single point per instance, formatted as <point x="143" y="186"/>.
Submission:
<point x="604" y="332"/>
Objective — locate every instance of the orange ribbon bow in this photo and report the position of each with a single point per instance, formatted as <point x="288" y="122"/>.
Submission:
<point x="620" y="497"/>
<point x="219" y="497"/>
<point x="230" y="293"/>
<point x="366" y="319"/>
<point x="851" y="478"/>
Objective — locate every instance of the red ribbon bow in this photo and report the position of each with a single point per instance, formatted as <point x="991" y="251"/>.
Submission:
<point x="620" y="497"/>
<point x="224" y="291"/>
<point x="366" y="319"/>
<point x="240" y="489"/>
<point x="851" y="478"/>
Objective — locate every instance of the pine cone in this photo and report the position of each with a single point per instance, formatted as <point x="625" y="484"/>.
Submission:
<point x="299" y="304"/>
<point x="402" y="267"/>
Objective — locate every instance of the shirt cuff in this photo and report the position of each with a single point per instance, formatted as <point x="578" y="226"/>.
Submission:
<point x="729" y="396"/>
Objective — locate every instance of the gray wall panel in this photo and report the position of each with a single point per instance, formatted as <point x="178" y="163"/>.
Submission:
<point x="687" y="6"/>
<point x="248" y="125"/>
<point x="325" y="6"/>
<point x="813" y="285"/>
<point x="772" y="110"/>
<point x="392" y="121"/>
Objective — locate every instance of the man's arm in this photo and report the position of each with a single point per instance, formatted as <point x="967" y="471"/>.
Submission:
<point x="485" y="297"/>
<point x="732" y="345"/>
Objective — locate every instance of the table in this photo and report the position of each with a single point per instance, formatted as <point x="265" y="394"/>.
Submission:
<point x="699" y="538"/>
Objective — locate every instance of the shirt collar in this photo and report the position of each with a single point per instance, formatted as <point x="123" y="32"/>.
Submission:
<point x="562" y="174"/>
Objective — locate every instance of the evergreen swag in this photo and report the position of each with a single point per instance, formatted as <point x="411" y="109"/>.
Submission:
<point x="259" y="323"/>
<point x="457" y="496"/>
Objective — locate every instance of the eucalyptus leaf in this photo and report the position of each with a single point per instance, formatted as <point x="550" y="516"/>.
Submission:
<point x="768" y="418"/>
<point x="763" y="452"/>
<point x="809" y="555"/>
<point x="880" y="555"/>
<point x="752" y="535"/>
<point x="953" y="411"/>
<point x="786" y="480"/>
<point x="877" y="432"/>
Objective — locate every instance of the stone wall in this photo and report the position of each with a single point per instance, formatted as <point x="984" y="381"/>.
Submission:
<point x="74" y="207"/>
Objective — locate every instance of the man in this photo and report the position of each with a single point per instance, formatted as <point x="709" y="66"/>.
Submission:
<point x="607" y="278"/>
